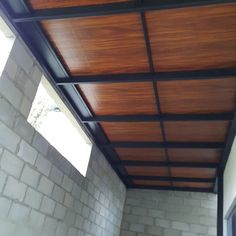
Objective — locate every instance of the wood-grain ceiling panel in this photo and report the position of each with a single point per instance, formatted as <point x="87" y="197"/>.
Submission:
<point x="141" y="154"/>
<point x="99" y="45"/>
<point x="195" y="155"/>
<point x="181" y="39"/>
<point x="132" y="131"/>
<point x="152" y="183"/>
<point x="47" y="4"/>
<point x="192" y="185"/>
<point x="196" y="131"/>
<point x="193" y="38"/>
<point x="148" y="171"/>
<point x="193" y="172"/>
<point x="197" y="96"/>
<point x="120" y="98"/>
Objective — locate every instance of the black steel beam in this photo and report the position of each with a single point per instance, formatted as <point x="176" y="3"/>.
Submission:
<point x="229" y="141"/>
<point x="220" y="204"/>
<point x="228" y="144"/>
<point x="157" y="76"/>
<point x="154" y="84"/>
<point x="166" y="164"/>
<point x="163" y="117"/>
<point x="163" y="145"/>
<point x="206" y="190"/>
<point x="172" y="179"/>
<point x="110" y="9"/>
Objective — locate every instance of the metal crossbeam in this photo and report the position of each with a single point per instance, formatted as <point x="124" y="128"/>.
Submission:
<point x="229" y="141"/>
<point x="110" y="9"/>
<point x="145" y="77"/>
<point x="166" y="164"/>
<point x="163" y="145"/>
<point x="225" y="155"/>
<point x="173" y="179"/>
<point x="136" y="186"/>
<point x="174" y="117"/>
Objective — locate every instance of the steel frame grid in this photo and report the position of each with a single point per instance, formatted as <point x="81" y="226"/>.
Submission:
<point x="63" y="90"/>
<point x="154" y="84"/>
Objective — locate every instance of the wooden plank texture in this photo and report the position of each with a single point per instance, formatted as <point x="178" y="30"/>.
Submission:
<point x="133" y="131"/>
<point x="152" y="182"/>
<point x="192" y="185"/>
<point x="198" y="96"/>
<point x="193" y="172"/>
<point x="190" y="38"/>
<point x="120" y="98"/>
<point x="47" y="4"/>
<point x="195" y="155"/>
<point x="196" y="131"/>
<point x="99" y="45"/>
<point x="148" y="171"/>
<point x="141" y="154"/>
<point x="193" y="38"/>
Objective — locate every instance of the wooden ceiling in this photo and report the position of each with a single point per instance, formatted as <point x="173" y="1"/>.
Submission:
<point x="47" y="4"/>
<point x="145" y="148"/>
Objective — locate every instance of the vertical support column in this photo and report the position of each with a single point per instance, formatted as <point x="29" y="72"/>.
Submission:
<point x="220" y="203"/>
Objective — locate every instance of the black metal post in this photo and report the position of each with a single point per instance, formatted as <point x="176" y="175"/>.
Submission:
<point x="220" y="204"/>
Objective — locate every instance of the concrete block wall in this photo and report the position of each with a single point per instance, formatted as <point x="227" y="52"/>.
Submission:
<point x="168" y="213"/>
<point x="41" y="193"/>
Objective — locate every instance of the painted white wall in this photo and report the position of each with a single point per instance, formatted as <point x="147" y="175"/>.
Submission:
<point x="230" y="184"/>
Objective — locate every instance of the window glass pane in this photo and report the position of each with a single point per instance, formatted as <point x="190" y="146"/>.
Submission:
<point x="51" y="120"/>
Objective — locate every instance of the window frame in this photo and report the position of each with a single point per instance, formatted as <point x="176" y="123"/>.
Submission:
<point x="54" y="94"/>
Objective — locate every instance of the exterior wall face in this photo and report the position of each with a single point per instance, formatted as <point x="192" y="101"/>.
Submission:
<point x="229" y="184"/>
<point x="167" y="213"/>
<point x="40" y="192"/>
